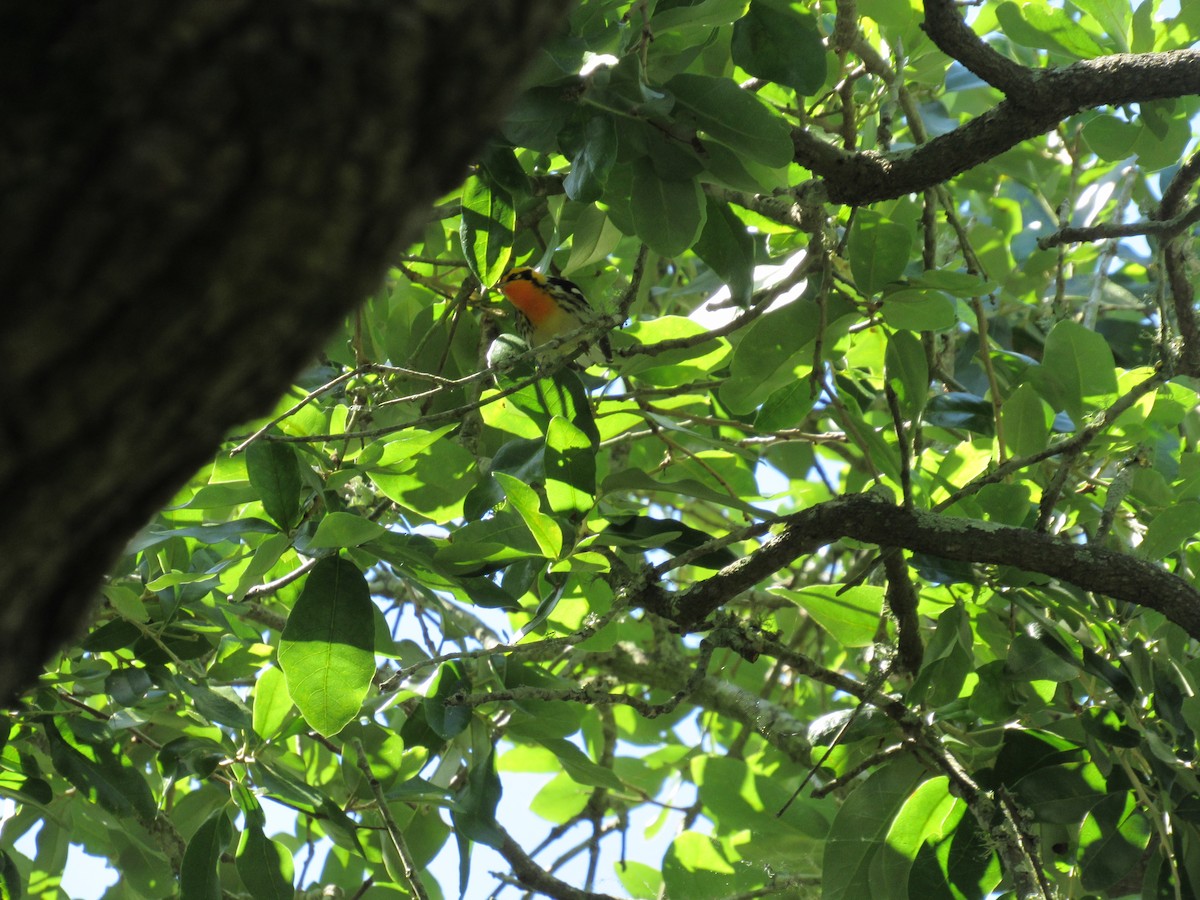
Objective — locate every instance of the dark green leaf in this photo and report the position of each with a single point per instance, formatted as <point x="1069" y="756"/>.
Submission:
<point x="198" y="875"/>
<point x="448" y="721"/>
<point x="959" y="410"/>
<point x="878" y="250"/>
<point x="11" y="882"/>
<point x="668" y="215"/>
<point x="724" y="112"/>
<point x="474" y="809"/>
<point x="264" y="867"/>
<point x="274" y="472"/>
<point x="650" y="532"/>
<point x="727" y="247"/>
<point x="780" y="44"/>
<point x="101" y="777"/>
<point x="1030" y="660"/>
<point x="919" y="310"/>
<point x="217" y="704"/>
<point x="591" y="162"/>
<point x="908" y="371"/>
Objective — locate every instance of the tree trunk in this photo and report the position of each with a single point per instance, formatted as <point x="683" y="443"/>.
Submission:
<point x="194" y="193"/>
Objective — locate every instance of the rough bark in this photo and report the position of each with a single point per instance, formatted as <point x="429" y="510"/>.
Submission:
<point x="866" y="517"/>
<point x="1052" y="96"/>
<point x="194" y="193"/>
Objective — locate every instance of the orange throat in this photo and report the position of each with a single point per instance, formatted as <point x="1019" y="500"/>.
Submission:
<point x="536" y="303"/>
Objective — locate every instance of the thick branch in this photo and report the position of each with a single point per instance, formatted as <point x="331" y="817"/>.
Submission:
<point x="947" y="29"/>
<point x="195" y="194"/>
<point x="1175" y="261"/>
<point x="865" y="517"/>
<point x="1053" y="95"/>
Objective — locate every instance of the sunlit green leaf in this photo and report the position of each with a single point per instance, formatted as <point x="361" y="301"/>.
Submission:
<point x="488" y="220"/>
<point x="326" y="649"/>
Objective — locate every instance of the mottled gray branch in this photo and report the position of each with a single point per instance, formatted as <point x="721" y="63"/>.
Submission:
<point x="866" y="517"/>
<point x="1050" y="96"/>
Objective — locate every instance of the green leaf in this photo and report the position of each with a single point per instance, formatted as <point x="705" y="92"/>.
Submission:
<point x="1077" y="371"/>
<point x="219" y="704"/>
<point x="919" y="310"/>
<point x="1112" y="840"/>
<point x="11" y="882"/>
<point x="198" y="875"/>
<point x="474" y="810"/>
<point x="580" y="767"/>
<point x="207" y="534"/>
<point x="787" y="406"/>
<point x="1113" y="16"/>
<point x="780" y="44"/>
<point x="668" y="215"/>
<point x="961" y="410"/>
<point x="769" y="355"/>
<point x="274" y="472"/>
<point x="888" y="13"/>
<point x="100" y="776"/>
<point x="570" y="465"/>
<point x="1061" y="794"/>
<point x="448" y="721"/>
<point x="326" y="649"/>
<point x="642" y="882"/>
<point x="1039" y="26"/>
<point x="698" y="866"/>
<point x="928" y="814"/>
<point x="1027" y="421"/>
<point x="488" y="222"/>
<point x="908" y="371"/>
<point x="1029" y="659"/>
<point x="264" y="867"/>
<point x="272" y="703"/>
<point x="727" y="247"/>
<point x="651" y="532"/>
<point x="342" y="529"/>
<point x="536" y="117"/>
<point x="594" y="237"/>
<point x="850" y="614"/>
<point x="1110" y="138"/>
<point x="861" y="826"/>
<point x="720" y="109"/>
<point x="878" y="251"/>
<point x="563" y="395"/>
<point x="526" y="502"/>
<point x="705" y="14"/>
<point x="1163" y="136"/>
<point x="591" y="163"/>
<point x="433" y="484"/>
<point x="1172" y="528"/>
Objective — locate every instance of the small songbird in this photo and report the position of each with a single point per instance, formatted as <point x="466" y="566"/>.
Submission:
<point x="548" y="307"/>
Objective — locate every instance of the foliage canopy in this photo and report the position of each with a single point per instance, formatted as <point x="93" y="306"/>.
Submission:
<point x="865" y="570"/>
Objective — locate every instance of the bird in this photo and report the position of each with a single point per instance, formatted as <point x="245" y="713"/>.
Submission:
<point x="548" y="307"/>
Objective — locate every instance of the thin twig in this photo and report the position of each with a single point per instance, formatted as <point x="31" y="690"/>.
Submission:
<point x="411" y="873"/>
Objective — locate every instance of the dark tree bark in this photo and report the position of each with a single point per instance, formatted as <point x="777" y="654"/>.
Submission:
<point x="867" y="517"/>
<point x="194" y="193"/>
